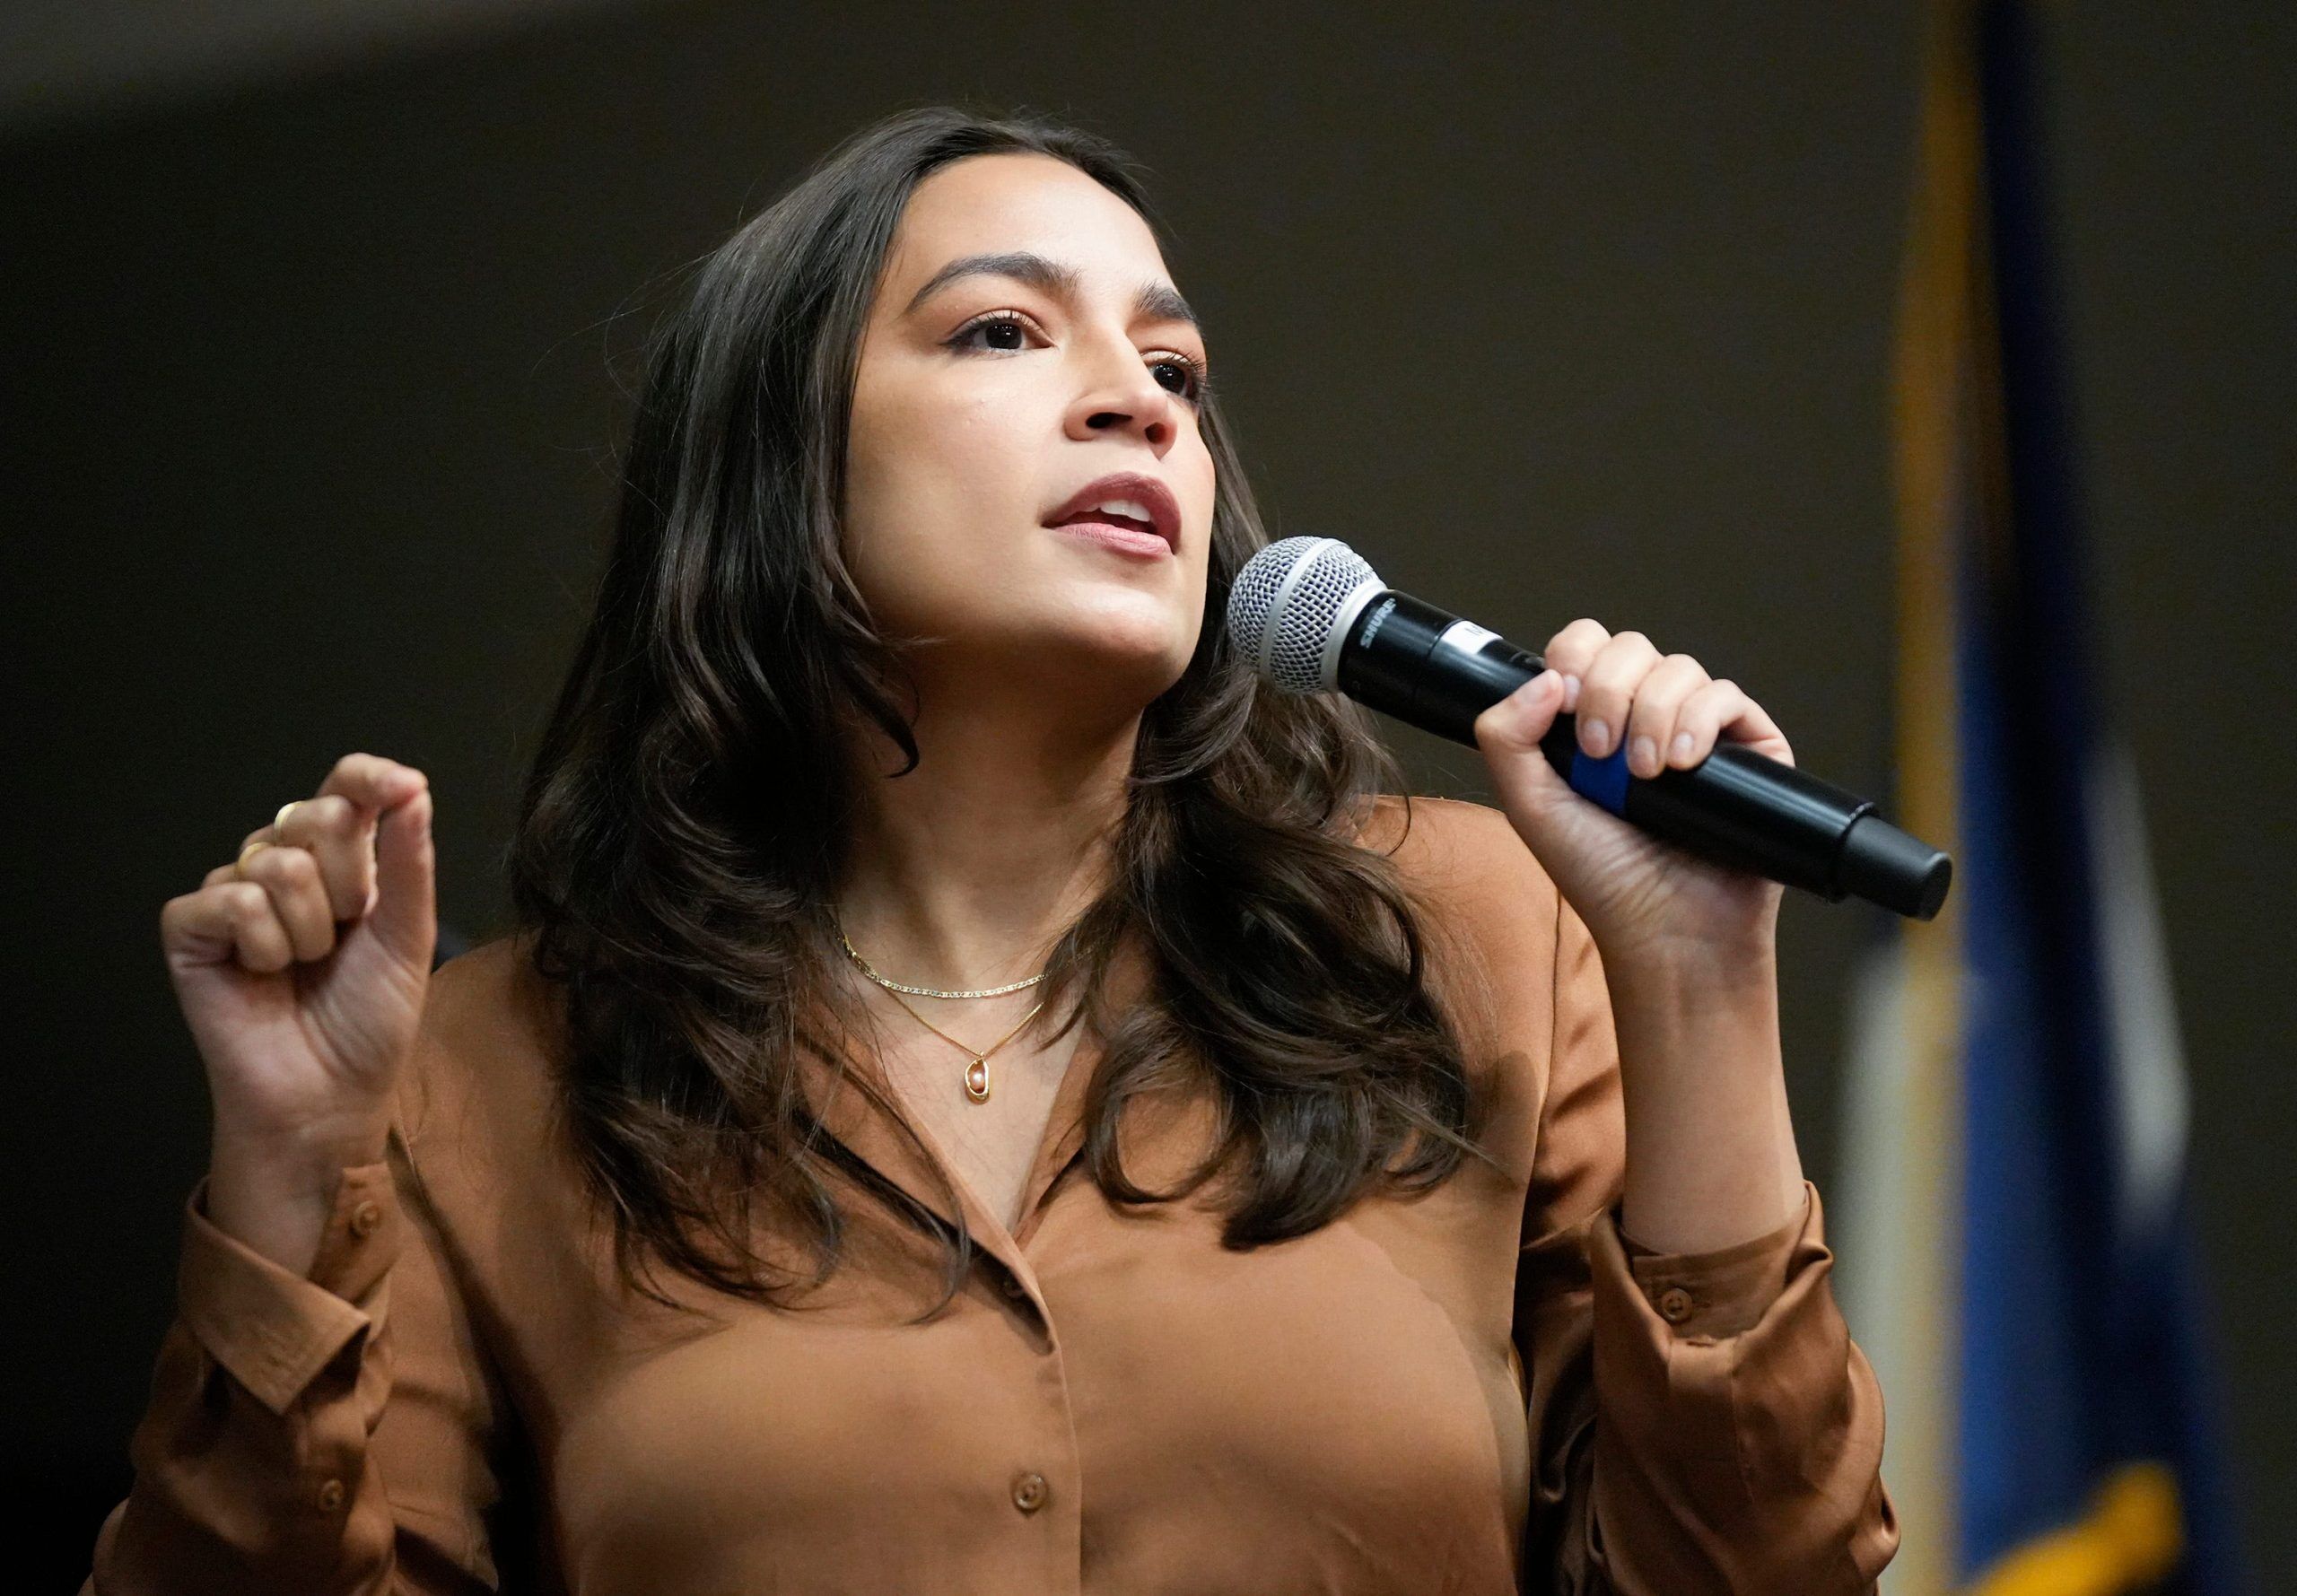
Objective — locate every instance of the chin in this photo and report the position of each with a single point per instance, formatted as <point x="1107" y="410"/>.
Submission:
<point x="1123" y="620"/>
<point x="1152" y="656"/>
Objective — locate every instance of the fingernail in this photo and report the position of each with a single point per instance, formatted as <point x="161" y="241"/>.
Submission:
<point x="1644" y="757"/>
<point x="1595" y="737"/>
<point x="1680" y="747"/>
<point x="1570" y="693"/>
<point x="1519" y="711"/>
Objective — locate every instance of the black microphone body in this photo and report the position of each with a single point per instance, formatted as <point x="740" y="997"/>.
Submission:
<point x="1431" y="669"/>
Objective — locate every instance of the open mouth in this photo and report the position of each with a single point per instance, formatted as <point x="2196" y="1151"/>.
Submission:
<point x="1124" y="510"/>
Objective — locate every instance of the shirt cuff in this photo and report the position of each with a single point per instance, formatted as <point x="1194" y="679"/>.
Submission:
<point x="1722" y="1292"/>
<point x="272" y="1330"/>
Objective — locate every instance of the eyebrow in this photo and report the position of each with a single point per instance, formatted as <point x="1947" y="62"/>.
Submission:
<point x="1159" y="301"/>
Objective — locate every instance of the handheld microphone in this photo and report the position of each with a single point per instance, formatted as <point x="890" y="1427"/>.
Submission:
<point x="1313" y="616"/>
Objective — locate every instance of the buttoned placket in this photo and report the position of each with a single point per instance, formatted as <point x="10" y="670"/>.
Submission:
<point x="1042" y="1486"/>
<point x="1032" y="1489"/>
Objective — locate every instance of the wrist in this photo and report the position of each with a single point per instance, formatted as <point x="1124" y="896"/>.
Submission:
<point x="277" y="1207"/>
<point x="271" y="1189"/>
<point x="1737" y="970"/>
<point x="307" y="1158"/>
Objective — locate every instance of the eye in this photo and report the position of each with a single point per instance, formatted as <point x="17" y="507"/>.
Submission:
<point x="1008" y="330"/>
<point x="1194" y="378"/>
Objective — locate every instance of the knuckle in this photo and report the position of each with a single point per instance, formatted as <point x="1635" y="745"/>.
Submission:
<point x="1610" y="671"/>
<point x="244" y="901"/>
<point x="350" y="770"/>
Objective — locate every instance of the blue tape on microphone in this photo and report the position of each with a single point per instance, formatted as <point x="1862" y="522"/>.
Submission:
<point x="1602" y="780"/>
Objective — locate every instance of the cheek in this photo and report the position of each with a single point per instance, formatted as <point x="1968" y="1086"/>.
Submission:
<point x="1196" y="480"/>
<point x="936" y="488"/>
<point x="915" y="447"/>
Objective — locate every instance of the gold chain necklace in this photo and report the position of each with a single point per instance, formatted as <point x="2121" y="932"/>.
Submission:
<point x="977" y="1072"/>
<point x="894" y="986"/>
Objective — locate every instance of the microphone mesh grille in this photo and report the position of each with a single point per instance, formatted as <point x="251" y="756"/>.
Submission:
<point x="1327" y="571"/>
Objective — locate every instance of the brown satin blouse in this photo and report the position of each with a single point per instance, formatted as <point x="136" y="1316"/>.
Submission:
<point x="1484" y="1389"/>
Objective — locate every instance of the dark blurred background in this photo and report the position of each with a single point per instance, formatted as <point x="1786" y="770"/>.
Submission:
<point x="318" y="322"/>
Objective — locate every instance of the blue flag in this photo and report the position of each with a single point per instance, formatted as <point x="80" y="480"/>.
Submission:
<point x="2016" y="1258"/>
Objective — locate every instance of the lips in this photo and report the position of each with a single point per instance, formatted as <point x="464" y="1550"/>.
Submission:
<point x="1116" y="500"/>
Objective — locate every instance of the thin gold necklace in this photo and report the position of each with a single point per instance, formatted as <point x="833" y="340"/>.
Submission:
<point x="977" y="1076"/>
<point x="894" y="986"/>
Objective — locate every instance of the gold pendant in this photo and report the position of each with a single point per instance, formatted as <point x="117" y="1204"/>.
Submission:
<point x="977" y="1080"/>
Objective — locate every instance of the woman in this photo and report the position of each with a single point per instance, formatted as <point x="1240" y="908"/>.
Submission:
<point x="983" y="1098"/>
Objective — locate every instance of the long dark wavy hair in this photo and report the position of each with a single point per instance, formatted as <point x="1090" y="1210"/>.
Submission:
<point x="679" y="836"/>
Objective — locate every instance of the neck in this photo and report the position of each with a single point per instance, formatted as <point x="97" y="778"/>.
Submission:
<point x="966" y="870"/>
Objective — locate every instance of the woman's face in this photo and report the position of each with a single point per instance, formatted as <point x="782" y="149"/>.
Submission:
<point x="1026" y="344"/>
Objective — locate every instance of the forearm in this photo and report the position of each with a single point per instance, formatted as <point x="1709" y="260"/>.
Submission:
<point x="1711" y="1160"/>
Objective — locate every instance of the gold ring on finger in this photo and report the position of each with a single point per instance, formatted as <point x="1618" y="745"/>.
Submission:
<point x="279" y="821"/>
<point x="246" y="851"/>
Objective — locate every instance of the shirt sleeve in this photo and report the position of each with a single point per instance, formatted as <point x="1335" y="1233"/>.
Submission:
<point x="319" y="1434"/>
<point x="1700" y="1422"/>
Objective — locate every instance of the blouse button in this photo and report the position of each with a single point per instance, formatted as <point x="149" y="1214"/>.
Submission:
<point x="1674" y="1304"/>
<point x="1029" y="1491"/>
<point x="1011" y="1287"/>
<point x="331" y="1495"/>
<point x="364" y="1218"/>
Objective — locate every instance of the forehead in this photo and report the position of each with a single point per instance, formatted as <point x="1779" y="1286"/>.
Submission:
<point x="1010" y="202"/>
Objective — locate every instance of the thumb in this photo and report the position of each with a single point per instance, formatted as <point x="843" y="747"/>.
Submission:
<point x="1509" y="733"/>
<point x="406" y="917"/>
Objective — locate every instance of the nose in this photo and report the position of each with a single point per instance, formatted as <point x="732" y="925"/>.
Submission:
<point x="1121" y="395"/>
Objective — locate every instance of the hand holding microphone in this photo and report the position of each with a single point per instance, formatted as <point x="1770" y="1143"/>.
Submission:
<point x="1311" y="615"/>
<point x="1618" y="700"/>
